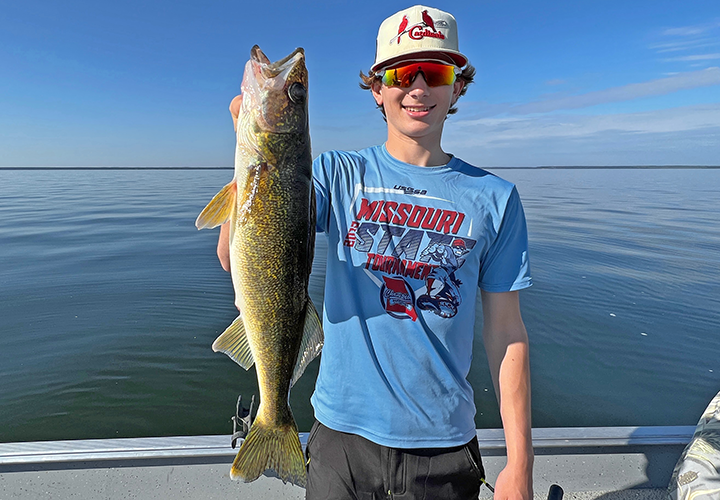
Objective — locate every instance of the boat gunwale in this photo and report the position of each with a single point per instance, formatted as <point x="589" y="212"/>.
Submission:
<point x="174" y="447"/>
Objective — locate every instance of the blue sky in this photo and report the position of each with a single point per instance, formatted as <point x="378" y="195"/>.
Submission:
<point x="97" y="83"/>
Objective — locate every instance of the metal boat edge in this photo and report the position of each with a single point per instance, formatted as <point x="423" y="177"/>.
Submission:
<point x="219" y="445"/>
<point x="588" y="462"/>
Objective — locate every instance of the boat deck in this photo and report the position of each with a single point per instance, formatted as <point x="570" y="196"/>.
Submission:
<point x="616" y="463"/>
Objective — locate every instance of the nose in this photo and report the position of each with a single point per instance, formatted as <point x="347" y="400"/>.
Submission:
<point x="419" y="86"/>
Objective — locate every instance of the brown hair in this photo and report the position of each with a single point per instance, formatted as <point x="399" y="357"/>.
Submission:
<point x="467" y="75"/>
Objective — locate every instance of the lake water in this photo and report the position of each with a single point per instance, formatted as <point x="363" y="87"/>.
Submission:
<point x="110" y="300"/>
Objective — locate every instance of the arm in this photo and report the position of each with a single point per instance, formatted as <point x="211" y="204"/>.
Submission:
<point x="506" y="344"/>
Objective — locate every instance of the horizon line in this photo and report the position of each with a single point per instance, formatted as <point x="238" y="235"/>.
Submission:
<point x="538" y="167"/>
<point x="114" y="168"/>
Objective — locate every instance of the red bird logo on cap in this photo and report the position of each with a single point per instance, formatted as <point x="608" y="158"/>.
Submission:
<point x="401" y="29"/>
<point x="428" y="20"/>
<point x="425" y="28"/>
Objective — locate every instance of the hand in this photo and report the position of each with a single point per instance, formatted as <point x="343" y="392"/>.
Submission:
<point x="514" y="484"/>
<point x="235" y="109"/>
<point x="223" y="247"/>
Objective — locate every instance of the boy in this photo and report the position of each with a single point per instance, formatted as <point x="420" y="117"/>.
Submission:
<point x="410" y="231"/>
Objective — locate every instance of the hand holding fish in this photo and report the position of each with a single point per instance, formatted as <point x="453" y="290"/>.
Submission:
<point x="223" y="247"/>
<point x="235" y="105"/>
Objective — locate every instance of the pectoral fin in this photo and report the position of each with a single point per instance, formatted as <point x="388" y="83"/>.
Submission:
<point x="234" y="343"/>
<point x="220" y="208"/>
<point x="312" y="341"/>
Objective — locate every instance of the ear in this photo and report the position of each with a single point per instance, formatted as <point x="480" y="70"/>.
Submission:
<point x="457" y="89"/>
<point x="376" y="92"/>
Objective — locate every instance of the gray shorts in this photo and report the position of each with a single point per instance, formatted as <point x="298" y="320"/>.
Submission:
<point x="345" y="466"/>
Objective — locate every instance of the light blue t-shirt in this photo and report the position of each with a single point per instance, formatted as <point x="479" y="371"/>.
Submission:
<point x="408" y="247"/>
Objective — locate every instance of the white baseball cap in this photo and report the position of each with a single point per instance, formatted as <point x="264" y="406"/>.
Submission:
<point x="418" y="33"/>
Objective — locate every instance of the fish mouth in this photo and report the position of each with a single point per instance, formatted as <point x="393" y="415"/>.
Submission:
<point x="271" y="70"/>
<point x="274" y="95"/>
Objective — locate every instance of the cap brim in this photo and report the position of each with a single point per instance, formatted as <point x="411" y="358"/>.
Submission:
<point x="452" y="57"/>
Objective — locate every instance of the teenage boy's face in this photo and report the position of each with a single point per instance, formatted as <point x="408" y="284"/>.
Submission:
<point x="418" y="111"/>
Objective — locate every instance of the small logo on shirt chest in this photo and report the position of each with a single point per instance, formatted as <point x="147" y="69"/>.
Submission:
<point x="410" y="190"/>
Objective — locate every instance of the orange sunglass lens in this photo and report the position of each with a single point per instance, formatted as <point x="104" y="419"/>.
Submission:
<point x="435" y="74"/>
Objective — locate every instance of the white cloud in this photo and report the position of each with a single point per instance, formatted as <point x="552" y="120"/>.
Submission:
<point x="539" y="133"/>
<point x="486" y="131"/>
<point x="687" y="135"/>
<point x="698" y="57"/>
<point x="662" y="86"/>
<point x="691" y="40"/>
<point x="680" y="45"/>
<point x="687" y="31"/>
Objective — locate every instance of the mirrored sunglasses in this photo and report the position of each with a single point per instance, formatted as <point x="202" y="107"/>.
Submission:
<point x="435" y="74"/>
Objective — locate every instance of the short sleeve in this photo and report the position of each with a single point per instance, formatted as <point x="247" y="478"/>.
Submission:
<point x="321" y="181"/>
<point x="506" y="266"/>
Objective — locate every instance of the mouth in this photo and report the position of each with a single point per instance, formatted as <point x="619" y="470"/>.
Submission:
<point x="418" y="109"/>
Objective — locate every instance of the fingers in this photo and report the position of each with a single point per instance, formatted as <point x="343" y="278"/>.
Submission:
<point x="235" y="109"/>
<point x="223" y="246"/>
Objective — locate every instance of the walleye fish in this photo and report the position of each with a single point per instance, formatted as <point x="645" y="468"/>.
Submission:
<point x="270" y="204"/>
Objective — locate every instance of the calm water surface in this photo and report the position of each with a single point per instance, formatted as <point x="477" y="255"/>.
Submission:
<point x="110" y="300"/>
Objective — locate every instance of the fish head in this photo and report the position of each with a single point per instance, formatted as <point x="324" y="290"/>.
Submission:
<point x="275" y="94"/>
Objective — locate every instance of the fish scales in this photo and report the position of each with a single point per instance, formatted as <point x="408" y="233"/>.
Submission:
<point x="271" y="208"/>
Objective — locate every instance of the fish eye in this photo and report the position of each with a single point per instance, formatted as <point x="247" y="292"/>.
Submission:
<point x="297" y="93"/>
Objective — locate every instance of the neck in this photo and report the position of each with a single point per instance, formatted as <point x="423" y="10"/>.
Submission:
<point x="422" y="152"/>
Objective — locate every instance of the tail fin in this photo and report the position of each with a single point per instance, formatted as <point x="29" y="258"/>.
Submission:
<point x="266" y="447"/>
